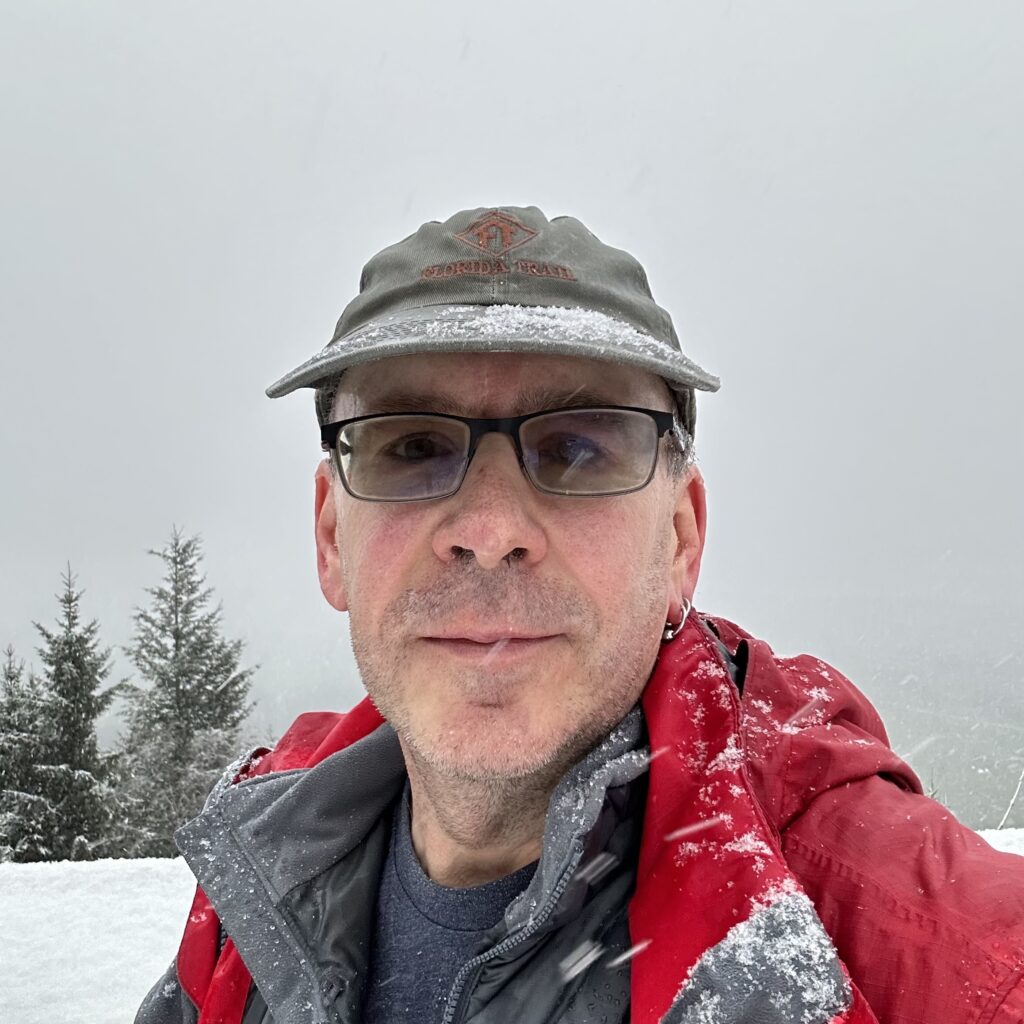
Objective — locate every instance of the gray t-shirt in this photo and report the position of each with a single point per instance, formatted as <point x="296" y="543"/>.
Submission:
<point x="425" y="932"/>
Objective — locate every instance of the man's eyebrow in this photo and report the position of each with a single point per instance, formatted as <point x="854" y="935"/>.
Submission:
<point x="528" y="400"/>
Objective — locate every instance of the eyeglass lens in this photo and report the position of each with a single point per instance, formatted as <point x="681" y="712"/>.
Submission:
<point x="578" y="451"/>
<point x="403" y="458"/>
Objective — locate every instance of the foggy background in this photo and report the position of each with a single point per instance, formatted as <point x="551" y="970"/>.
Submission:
<point x="827" y="198"/>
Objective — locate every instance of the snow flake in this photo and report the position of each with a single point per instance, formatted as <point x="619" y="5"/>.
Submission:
<point x="707" y="794"/>
<point x="723" y="697"/>
<point x="730" y="758"/>
<point x="689" y="850"/>
<point x="709" y="670"/>
<point x="696" y="757"/>
<point x="747" y="843"/>
<point x="785" y="887"/>
<point x="707" y="1010"/>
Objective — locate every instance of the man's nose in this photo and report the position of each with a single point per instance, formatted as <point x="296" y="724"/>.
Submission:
<point x="493" y="515"/>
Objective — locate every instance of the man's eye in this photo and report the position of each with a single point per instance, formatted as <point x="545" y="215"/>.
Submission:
<point x="418" y="448"/>
<point x="569" y="450"/>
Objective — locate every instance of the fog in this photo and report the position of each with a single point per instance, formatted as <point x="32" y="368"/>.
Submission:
<point x="826" y="197"/>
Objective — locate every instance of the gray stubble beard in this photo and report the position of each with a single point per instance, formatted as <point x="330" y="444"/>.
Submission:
<point x="622" y="669"/>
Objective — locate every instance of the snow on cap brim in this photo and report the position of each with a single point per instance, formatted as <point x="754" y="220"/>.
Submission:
<point x="549" y="330"/>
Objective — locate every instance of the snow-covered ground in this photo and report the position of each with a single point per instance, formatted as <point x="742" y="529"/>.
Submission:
<point x="83" y="943"/>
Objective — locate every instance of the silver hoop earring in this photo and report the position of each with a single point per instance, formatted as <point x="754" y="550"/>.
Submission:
<point x="672" y="631"/>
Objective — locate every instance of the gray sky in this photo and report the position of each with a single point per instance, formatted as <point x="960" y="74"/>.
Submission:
<point x="827" y="198"/>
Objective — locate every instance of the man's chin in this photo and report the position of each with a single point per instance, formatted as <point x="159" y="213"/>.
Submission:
<point x="487" y="763"/>
<point x="489" y="746"/>
<point x="472" y="752"/>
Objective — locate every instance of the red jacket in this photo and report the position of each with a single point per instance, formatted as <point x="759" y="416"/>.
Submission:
<point x="928" y="918"/>
<point x="753" y="801"/>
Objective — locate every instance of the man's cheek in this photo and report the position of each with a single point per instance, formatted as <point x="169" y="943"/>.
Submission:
<point x="383" y="548"/>
<point x="605" y="559"/>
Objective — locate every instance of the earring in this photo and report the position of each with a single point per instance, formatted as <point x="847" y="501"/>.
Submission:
<point x="672" y="631"/>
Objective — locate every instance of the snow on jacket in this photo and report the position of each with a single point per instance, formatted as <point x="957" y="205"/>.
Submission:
<point x="789" y="869"/>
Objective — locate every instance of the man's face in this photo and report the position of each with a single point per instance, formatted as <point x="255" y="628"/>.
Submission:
<point x="503" y="631"/>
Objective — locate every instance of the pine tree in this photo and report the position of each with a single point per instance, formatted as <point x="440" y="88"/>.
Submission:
<point x="183" y="727"/>
<point x="28" y="820"/>
<point x="72" y="771"/>
<point x="196" y="682"/>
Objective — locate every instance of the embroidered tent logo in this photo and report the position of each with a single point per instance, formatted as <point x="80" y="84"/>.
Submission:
<point x="496" y="233"/>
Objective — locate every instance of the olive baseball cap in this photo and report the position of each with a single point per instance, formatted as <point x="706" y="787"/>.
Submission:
<point x="503" y="280"/>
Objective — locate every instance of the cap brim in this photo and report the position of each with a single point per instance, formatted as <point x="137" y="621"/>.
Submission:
<point x="549" y="330"/>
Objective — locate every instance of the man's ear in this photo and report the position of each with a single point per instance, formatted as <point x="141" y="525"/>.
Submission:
<point x="689" y="524"/>
<point x="328" y="558"/>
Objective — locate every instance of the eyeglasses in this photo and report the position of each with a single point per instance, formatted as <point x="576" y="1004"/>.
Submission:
<point x="587" y="452"/>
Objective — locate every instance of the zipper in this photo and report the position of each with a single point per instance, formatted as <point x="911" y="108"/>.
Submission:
<point x="456" y="996"/>
<point x="460" y="989"/>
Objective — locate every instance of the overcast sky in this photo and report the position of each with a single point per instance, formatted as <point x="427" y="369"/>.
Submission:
<point x="827" y="198"/>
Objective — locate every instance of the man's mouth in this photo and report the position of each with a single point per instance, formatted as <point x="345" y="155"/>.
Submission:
<point x="491" y="646"/>
<point x="489" y="636"/>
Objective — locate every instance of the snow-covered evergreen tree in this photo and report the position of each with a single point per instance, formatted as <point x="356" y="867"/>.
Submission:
<point x="28" y="820"/>
<point x="182" y="728"/>
<point x="193" y="670"/>
<point x="71" y="772"/>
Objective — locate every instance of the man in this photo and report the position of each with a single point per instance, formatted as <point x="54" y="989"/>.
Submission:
<point x="568" y="796"/>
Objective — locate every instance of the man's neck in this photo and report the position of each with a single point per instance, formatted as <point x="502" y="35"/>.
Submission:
<point x="467" y="833"/>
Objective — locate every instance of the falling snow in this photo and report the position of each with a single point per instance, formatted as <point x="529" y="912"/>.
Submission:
<point x="630" y="953"/>
<point x="810" y="714"/>
<point x="596" y="868"/>
<point x="580" y="959"/>
<point x="699" y="826"/>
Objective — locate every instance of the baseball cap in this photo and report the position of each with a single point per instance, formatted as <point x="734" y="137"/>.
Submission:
<point x="503" y="279"/>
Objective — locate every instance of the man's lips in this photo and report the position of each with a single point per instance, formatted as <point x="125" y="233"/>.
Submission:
<point x="493" y="647"/>
<point x="489" y="636"/>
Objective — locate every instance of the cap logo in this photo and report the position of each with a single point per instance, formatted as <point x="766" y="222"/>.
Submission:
<point x="496" y="233"/>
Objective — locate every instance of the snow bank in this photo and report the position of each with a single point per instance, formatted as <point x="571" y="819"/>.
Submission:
<point x="83" y="943"/>
<point x="1009" y="840"/>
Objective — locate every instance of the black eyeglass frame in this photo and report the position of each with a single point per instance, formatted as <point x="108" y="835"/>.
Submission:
<point x="509" y="426"/>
